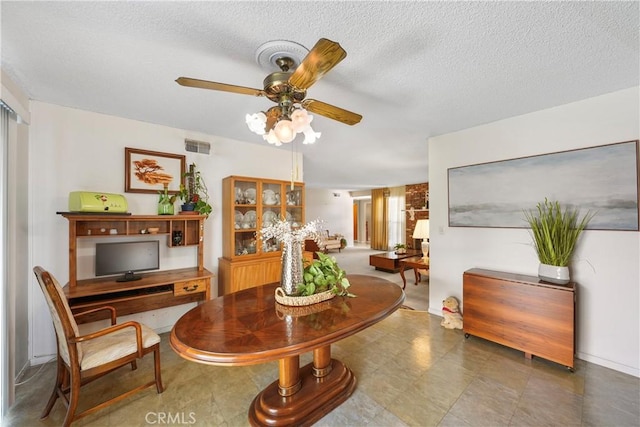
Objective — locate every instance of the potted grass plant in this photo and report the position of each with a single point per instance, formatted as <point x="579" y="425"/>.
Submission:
<point x="555" y="232"/>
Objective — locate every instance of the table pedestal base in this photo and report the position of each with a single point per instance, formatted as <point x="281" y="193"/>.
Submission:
<point x="316" y="398"/>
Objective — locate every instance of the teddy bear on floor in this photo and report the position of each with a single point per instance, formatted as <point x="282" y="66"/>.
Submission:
<point x="452" y="319"/>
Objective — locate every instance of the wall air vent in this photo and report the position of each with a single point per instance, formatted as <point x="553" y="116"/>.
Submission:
<point x="197" y="146"/>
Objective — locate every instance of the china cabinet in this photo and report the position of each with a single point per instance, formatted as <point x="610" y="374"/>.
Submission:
<point x="248" y="204"/>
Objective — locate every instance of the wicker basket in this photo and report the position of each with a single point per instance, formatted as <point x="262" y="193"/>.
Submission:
<point x="283" y="311"/>
<point x="284" y="299"/>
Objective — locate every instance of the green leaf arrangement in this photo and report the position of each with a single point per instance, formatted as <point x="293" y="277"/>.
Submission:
<point x="324" y="274"/>
<point x="555" y="231"/>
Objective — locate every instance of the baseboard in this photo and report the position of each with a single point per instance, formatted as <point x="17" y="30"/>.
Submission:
<point x="435" y="312"/>
<point x="609" y="364"/>
<point x="22" y="371"/>
<point x="40" y="359"/>
<point x="163" y="329"/>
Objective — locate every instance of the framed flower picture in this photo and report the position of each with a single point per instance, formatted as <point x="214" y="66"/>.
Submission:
<point x="150" y="171"/>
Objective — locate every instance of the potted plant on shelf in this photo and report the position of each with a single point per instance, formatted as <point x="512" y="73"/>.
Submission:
<point x="194" y="193"/>
<point x="555" y="232"/>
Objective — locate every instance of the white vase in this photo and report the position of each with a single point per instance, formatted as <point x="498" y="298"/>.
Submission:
<point x="553" y="274"/>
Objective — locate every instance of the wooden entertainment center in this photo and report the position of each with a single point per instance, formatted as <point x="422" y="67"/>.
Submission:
<point x="155" y="290"/>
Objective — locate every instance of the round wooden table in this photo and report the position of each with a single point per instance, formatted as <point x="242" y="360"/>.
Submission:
<point x="248" y="327"/>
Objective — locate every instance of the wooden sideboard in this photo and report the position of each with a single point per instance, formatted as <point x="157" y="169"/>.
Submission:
<point x="234" y="276"/>
<point x="521" y="312"/>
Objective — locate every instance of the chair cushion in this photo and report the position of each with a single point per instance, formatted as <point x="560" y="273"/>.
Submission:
<point x="115" y="345"/>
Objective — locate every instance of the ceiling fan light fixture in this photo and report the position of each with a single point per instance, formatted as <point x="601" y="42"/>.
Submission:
<point x="300" y="119"/>
<point x="271" y="138"/>
<point x="290" y="122"/>
<point x="310" y="136"/>
<point x="257" y="122"/>
<point x="284" y="131"/>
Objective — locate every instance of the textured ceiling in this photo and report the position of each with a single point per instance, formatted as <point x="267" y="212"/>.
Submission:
<point x="413" y="69"/>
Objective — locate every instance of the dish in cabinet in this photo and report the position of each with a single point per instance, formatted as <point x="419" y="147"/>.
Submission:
<point x="239" y="219"/>
<point x="239" y="195"/>
<point x="250" y="219"/>
<point x="269" y="197"/>
<point x="250" y="196"/>
<point x="268" y="218"/>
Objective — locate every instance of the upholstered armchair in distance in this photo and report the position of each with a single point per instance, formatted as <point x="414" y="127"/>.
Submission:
<point x="84" y="358"/>
<point x="327" y="243"/>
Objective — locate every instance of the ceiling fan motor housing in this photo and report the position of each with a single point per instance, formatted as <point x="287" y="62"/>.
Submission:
<point x="276" y="85"/>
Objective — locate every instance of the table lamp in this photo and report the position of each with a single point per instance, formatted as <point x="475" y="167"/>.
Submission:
<point x="422" y="232"/>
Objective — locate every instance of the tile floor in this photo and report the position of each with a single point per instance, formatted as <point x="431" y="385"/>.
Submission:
<point x="410" y="371"/>
<point x="355" y="260"/>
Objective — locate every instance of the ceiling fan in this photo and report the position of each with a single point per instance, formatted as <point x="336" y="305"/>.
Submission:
<point x="288" y="89"/>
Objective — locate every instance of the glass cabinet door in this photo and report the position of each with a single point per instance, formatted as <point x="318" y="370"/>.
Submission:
<point x="253" y="203"/>
<point x="245" y="217"/>
<point x="271" y="211"/>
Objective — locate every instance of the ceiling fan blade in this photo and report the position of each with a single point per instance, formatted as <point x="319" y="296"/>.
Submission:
<point x="205" y="84"/>
<point x="325" y="55"/>
<point x="331" y="111"/>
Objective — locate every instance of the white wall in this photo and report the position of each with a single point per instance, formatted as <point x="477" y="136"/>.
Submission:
<point x="79" y="150"/>
<point x="336" y="212"/>
<point x="606" y="264"/>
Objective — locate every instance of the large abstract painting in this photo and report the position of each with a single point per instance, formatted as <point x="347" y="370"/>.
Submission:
<point x="601" y="179"/>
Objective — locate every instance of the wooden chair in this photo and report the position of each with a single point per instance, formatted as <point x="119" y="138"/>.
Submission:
<point x="84" y="358"/>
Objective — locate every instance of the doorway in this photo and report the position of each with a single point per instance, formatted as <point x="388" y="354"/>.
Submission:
<point x="361" y="221"/>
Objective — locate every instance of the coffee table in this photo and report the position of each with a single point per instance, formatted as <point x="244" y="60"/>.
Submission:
<point x="248" y="327"/>
<point x="389" y="261"/>
<point x="417" y="263"/>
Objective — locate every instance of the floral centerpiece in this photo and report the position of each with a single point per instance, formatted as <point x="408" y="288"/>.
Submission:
<point x="320" y="276"/>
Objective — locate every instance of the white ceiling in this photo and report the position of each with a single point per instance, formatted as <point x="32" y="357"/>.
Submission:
<point x="413" y="69"/>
